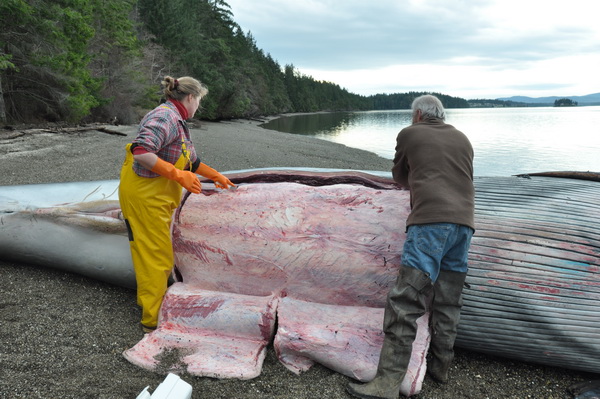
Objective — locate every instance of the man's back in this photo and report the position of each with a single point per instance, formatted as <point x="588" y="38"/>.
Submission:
<point x="435" y="161"/>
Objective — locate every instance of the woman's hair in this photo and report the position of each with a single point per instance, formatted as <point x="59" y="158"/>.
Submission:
<point x="430" y="107"/>
<point x="177" y="89"/>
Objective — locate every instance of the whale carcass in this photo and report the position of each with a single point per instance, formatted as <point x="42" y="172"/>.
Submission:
<point x="304" y="258"/>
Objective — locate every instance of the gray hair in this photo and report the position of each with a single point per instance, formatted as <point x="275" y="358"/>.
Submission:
<point x="430" y="107"/>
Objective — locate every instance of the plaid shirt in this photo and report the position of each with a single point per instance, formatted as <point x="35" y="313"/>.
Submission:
<point x="160" y="133"/>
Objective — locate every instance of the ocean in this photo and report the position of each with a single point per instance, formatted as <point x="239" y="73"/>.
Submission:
<point x="506" y="141"/>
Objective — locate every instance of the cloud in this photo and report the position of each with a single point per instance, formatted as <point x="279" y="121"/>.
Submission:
<point x="466" y="46"/>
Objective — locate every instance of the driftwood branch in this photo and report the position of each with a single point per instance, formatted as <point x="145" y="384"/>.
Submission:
<point x="110" y="131"/>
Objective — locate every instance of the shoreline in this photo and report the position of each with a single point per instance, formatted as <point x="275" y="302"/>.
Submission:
<point x="226" y="146"/>
<point x="62" y="335"/>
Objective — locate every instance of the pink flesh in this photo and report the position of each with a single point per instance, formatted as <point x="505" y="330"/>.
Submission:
<point x="323" y="258"/>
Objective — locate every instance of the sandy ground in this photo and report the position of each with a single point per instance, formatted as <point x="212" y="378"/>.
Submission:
<point x="62" y="335"/>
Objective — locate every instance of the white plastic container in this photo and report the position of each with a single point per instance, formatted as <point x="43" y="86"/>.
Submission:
<point x="144" y="394"/>
<point x="172" y="387"/>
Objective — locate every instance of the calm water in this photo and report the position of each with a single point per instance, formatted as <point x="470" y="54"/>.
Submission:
<point x="506" y="141"/>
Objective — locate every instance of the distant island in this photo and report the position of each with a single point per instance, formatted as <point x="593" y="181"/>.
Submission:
<point x="565" y="102"/>
<point x="522" y="101"/>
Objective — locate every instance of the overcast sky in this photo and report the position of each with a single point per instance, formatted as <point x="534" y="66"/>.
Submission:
<point x="463" y="48"/>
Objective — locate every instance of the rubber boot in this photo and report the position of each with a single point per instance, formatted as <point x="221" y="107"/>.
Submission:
<point x="406" y="302"/>
<point x="445" y="315"/>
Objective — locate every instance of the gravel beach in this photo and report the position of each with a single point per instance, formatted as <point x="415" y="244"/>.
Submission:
<point x="62" y="335"/>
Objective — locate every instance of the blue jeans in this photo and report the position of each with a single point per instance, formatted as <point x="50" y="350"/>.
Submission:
<point x="437" y="246"/>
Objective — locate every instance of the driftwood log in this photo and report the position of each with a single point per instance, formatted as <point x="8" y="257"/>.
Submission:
<point x="10" y="132"/>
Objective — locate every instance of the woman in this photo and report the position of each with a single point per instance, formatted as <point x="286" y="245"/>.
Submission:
<point x="159" y="161"/>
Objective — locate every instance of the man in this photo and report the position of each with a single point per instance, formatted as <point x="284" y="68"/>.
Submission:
<point x="435" y="162"/>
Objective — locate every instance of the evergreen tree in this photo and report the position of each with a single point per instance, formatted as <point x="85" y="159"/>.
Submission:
<point x="47" y="46"/>
<point x="116" y="52"/>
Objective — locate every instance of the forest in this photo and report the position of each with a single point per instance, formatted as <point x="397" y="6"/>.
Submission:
<point x="82" y="61"/>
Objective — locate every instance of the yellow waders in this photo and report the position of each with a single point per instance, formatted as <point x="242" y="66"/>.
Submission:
<point x="148" y="204"/>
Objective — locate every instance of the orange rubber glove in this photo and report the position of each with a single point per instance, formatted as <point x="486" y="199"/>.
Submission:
<point x="220" y="180"/>
<point x="186" y="178"/>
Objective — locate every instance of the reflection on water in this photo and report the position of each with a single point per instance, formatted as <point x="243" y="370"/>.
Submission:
<point x="370" y="131"/>
<point x="507" y="141"/>
<point x="312" y="124"/>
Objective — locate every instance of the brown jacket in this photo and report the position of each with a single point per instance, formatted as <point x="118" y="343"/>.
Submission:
<point x="434" y="161"/>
